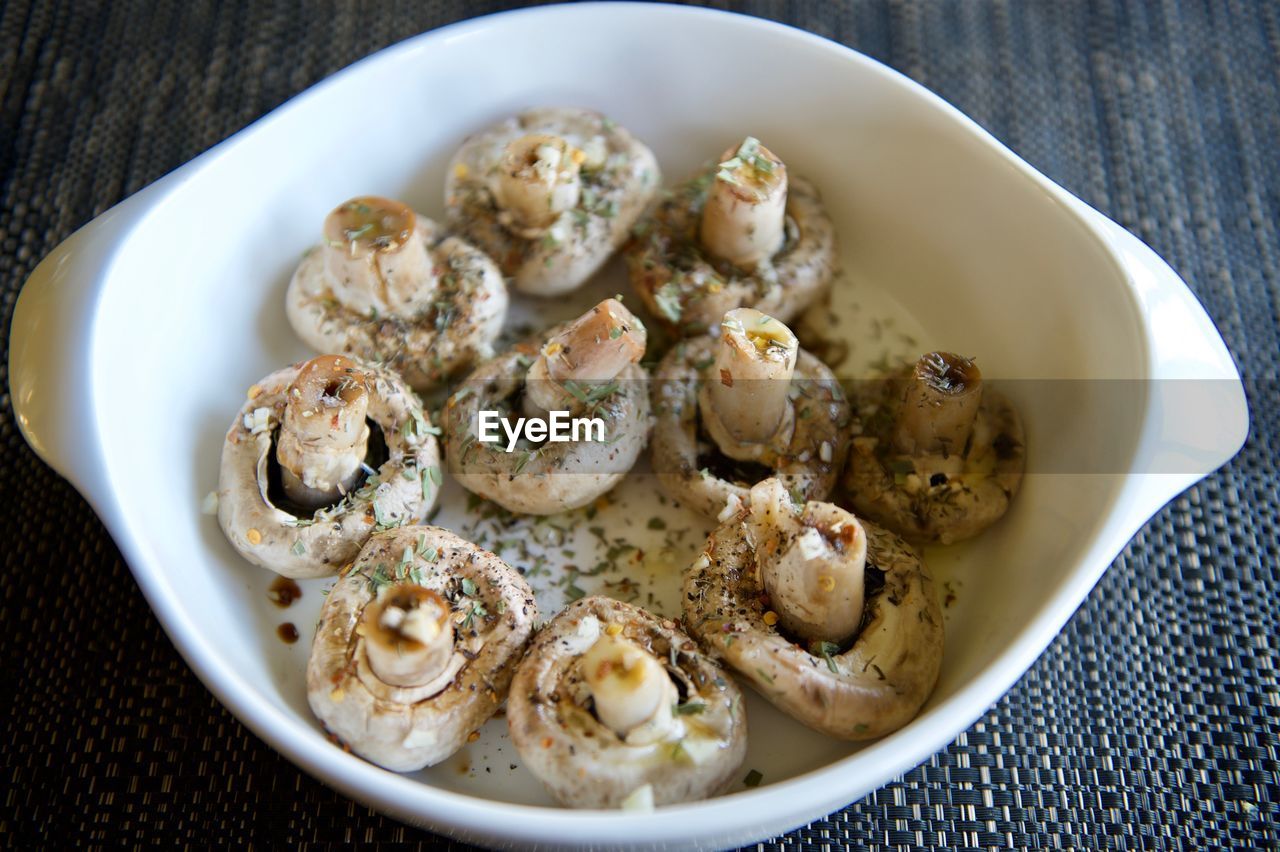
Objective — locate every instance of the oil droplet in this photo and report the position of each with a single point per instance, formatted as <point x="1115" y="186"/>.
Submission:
<point x="283" y="592"/>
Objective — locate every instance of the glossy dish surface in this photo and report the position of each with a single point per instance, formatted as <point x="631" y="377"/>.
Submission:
<point x="947" y="238"/>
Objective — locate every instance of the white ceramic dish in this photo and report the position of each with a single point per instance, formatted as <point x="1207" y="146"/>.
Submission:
<point x="133" y="342"/>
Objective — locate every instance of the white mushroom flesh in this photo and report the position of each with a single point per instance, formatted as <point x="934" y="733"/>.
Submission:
<point x="629" y="686"/>
<point x="939" y="405"/>
<point x="376" y="259"/>
<point x="537" y="180"/>
<point x="596" y="347"/>
<point x="324" y="437"/>
<point x="747" y="396"/>
<point x="409" y="637"/>
<point x="744" y="219"/>
<point x="811" y="563"/>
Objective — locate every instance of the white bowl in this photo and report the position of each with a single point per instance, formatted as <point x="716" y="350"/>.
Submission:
<point x="133" y="342"/>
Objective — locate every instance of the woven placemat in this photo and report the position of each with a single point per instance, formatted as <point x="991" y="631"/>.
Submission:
<point x="1150" y="722"/>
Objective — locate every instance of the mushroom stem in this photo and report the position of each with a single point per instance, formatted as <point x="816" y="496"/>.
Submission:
<point x="323" y="437"/>
<point x="938" y="405"/>
<point x="748" y="391"/>
<point x="629" y="686"/>
<point x="408" y="635"/>
<point x="537" y="180"/>
<point x="376" y="259"/>
<point x="811" y="563"/>
<point x="594" y="348"/>
<point x="744" y="219"/>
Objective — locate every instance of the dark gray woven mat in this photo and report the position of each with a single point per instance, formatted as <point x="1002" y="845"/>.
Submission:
<point x="1151" y="722"/>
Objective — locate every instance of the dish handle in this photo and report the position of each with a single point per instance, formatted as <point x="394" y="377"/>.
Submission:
<point x="1198" y="415"/>
<point x="50" y="350"/>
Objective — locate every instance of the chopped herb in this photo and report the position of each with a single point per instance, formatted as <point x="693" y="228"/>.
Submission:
<point x="468" y="587"/>
<point x="753" y="779"/>
<point x="668" y="300"/>
<point x="573" y="593"/>
<point x="826" y="650"/>
<point x="703" y="364"/>
<point x="477" y="609"/>
<point x="768" y="678"/>
<point x="591" y="398"/>
<point x="656" y="523"/>
<point x="615" y="332"/>
<point x="691" y="709"/>
<point x="436" y="476"/>
<point x="298" y="547"/>
<point x="406" y="561"/>
<point x="378" y="578"/>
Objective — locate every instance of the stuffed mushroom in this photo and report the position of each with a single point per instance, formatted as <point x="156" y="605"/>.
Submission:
<point x="550" y="194"/>
<point x="390" y="285"/>
<point x="416" y="646"/>
<point x="833" y="620"/>
<point x="742" y="233"/>
<point x="615" y="707"/>
<point x="940" y="455"/>
<point x="744" y="407"/>
<point x="587" y="377"/>
<point x="321" y="455"/>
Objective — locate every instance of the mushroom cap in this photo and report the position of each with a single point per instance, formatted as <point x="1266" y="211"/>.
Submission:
<point x="613" y="197"/>
<point x="932" y="498"/>
<point x="806" y="469"/>
<point x="874" y="687"/>
<point x="555" y="477"/>
<point x="583" y="762"/>
<point x="460" y="328"/>
<point x="688" y="292"/>
<point x="320" y="543"/>
<point x="407" y="728"/>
